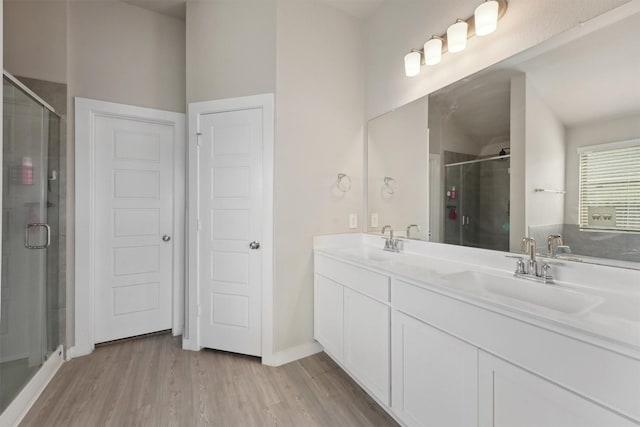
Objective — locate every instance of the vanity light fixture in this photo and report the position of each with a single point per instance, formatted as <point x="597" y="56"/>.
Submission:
<point x="486" y="17"/>
<point x="457" y="36"/>
<point x="433" y="50"/>
<point x="412" y="62"/>
<point x="484" y="21"/>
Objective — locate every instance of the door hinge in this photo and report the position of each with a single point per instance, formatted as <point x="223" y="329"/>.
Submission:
<point x="198" y="135"/>
<point x="199" y="310"/>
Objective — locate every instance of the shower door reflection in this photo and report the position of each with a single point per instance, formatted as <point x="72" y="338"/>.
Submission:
<point x="477" y="203"/>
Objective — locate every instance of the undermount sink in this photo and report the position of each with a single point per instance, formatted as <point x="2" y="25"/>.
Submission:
<point x="499" y="289"/>
<point x="372" y="254"/>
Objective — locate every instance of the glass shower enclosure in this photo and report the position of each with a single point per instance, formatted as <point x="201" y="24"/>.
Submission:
<point x="477" y="203"/>
<point x="30" y="201"/>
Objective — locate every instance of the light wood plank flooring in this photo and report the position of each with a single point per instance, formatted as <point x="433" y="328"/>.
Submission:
<point x="152" y="382"/>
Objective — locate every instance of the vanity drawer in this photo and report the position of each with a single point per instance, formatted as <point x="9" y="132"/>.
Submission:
<point x="368" y="282"/>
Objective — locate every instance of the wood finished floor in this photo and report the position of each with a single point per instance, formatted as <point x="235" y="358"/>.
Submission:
<point x="153" y="382"/>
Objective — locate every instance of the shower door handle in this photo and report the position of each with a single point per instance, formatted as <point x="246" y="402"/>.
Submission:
<point x="27" y="236"/>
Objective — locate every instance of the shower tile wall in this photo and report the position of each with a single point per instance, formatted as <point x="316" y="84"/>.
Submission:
<point x="494" y="205"/>
<point x="55" y="94"/>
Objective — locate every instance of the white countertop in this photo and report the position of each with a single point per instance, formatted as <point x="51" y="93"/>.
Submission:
<point x="611" y="318"/>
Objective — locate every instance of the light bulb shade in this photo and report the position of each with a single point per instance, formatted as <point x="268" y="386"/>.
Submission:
<point x="412" y="63"/>
<point x="457" y="36"/>
<point x="433" y="51"/>
<point x="486" y="18"/>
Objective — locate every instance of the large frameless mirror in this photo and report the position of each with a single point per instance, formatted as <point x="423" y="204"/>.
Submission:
<point x="544" y="144"/>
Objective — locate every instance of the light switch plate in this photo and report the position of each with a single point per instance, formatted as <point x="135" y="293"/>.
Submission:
<point x="353" y="221"/>
<point x="374" y="220"/>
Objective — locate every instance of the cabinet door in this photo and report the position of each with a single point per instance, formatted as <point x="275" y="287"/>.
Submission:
<point x="366" y="342"/>
<point x="328" y="316"/>
<point x="435" y="376"/>
<point x="511" y="396"/>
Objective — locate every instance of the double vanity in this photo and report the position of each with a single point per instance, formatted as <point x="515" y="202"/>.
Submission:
<point x="443" y="335"/>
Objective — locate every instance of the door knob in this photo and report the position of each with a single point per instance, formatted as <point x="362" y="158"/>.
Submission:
<point x="254" y="245"/>
<point x="166" y="238"/>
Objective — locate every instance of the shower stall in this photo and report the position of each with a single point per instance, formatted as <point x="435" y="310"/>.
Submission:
<point x="29" y="293"/>
<point x="477" y="203"/>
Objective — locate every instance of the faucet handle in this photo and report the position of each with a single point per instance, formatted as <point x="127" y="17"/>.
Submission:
<point x="546" y="273"/>
<point x="520" y="265"/>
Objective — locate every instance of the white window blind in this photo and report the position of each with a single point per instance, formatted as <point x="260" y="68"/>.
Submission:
<point x="610" y="186"/>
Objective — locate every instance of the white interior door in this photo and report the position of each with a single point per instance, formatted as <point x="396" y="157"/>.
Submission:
<point x="133" y="191"/>
<point x="230" y="220"/>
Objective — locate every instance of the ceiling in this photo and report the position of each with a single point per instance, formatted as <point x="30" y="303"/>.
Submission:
<point x="361" y="9"/>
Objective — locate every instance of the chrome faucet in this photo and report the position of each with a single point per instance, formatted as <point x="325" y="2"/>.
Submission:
<point x="551" y="239"/>
<point x="391" y="244"/>
<point x="529" y="246"/>
<point x="530" y="269"/>
<point x="416" y="226"/>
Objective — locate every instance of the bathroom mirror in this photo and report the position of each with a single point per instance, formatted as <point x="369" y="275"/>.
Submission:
<point x="501" y="154"/>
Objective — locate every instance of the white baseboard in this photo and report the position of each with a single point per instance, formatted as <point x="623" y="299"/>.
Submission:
<point x="16" y="411"/>
<point x="77" y="351"/>
<point x="190" y="344"/>
<point x="292" y="354"/>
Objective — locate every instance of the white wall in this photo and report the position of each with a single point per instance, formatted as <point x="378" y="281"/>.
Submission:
<point x="545" y="153"/>
<point x="592" y="133"/>
<point x="446" y="135"/>
<point x="230" y="48"/>
<point x="319" y="133"/>
<point x="126" y="54"/>
<point x="399" y="26"/>
<point x="36" y="39"/>
<point x="399" y="148"/>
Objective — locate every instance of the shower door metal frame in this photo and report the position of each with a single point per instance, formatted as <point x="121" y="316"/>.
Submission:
<point x="23" y="401"/>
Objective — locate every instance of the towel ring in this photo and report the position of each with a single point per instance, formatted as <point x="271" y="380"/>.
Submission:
<point x="390" y="185"/>
<point x="343" y="183"/>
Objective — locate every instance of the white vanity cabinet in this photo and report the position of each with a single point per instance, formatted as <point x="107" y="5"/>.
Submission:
<point x="434" y="358"/>
<point x="511" y="396"/>
<point x="434" y="376"/>
<point x="329" y="316"/>
<point x="366" y="342"/>
<point x="352" y="322"/>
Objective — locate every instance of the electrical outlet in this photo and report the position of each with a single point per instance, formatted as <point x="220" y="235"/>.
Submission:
<point x="601" y="216"/>
<point x="374" y="220"/>
<point x="353" y="221"/>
